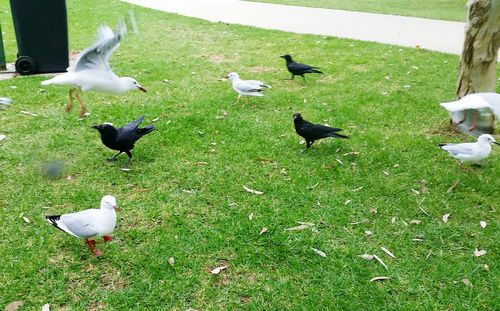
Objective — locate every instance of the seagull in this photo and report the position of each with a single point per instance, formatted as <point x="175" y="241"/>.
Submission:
<point x="473" y="101"/>
<point x="122" y="139"/>
<point x="298" y="69"/>
<point x="311" y="132"/>
<point x="246" y="87"/>
<point x="5" y="102"/>
<point x="91" y="70"/>
<point x="471" y="152"/>
<point x="89" y="223"/>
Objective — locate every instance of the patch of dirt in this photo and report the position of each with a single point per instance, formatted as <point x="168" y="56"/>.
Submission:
<point x="216" y="58"/>
<point x="260" y="69"/>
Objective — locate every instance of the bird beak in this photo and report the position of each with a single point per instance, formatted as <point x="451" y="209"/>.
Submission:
<point x="142" y="89"/>
<point x="95" y="127"/>
<point x="496" y="143"/>
<point x="226" y="77"/>
<point x="282" y="56"/>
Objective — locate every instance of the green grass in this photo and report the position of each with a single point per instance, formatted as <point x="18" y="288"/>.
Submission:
<point x="254" y="145"/>
<point x="453" y="10"/>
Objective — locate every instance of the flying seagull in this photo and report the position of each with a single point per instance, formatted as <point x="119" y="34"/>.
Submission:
<point x="298" y="69"/>
<point x="122" y="139"/>
<point x="89" y="223"/>
<point x="471" y="152"/>
<point x="311" y="132"/>
<point x="473" y="101"/>
<point x="91" y="70"/>
<point x="247" y="87"/>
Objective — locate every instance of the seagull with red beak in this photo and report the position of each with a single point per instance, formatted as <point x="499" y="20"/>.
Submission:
<point x="89" y="223"/>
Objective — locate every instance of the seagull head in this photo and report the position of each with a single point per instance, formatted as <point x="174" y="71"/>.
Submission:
<point x="487" y="139"/>
<point x="132" y="84"/>
<point x="297" y="117"/>
<point x="287" y="57"/>
<point x="109" y="202"/>
<point x="232" y="76"/>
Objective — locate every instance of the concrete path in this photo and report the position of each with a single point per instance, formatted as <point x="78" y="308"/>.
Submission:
<point x="435" y="35"/>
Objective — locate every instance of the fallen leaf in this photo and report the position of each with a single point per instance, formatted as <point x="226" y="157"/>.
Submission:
<point x="252" y="191"/>
<point x="317" y="251"/>
<point x="452" y="187"/>
<point x="26" y="220"/>
<point x="366" y="256"/>
<point x="415" y="191"/>
<point x="339" y="161"/>
<point x="13" y="306"/>
<point x="347" y="202"/>
<point x="445" y="217"/>
<point x="298" y="228"/>
<point x="483" y="224"/>
<point x="250" y="216"/>
<point x="479" y="253"/>
<point x="467" y="282"/>
<point x="310" y="224"/>
<point x="218" y="269"/>
<point x="379" y="278"/>
<point x="155" y="119"/>
<point x="46" y="307"/>
<point x="357" y="189"/>
<point x="388" y="252"/>
<point x="381" y="262"/>
<point x="171" y="261"/>
<point x="373" y="210"/>
<point x="70" y="178"/>
<point x="312" y="187"/>
<point x="2" y="137"/>
<point x="414" y="222"/>
<point x="368" y="233"/>
<point x="386" y="173"/>
<point x="263" y="230"/>
<point x="393" y="220"/>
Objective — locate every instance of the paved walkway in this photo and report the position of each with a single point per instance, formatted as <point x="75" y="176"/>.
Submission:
<point x="441" y="36"/>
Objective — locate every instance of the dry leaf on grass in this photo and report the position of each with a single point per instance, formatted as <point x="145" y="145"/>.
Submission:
<point x="252" y="191"/>
<point x="317" y="251"/>
<point x="393" y="220"/>
<point x="262" y="231"/>
<point x="381" y="262"/>
<point x="298" y="228"/>
<point x="2" y="137"/>
<point x="218" y="269"/>
<point x="388" y="252"/>
<point x="26" y="220"/>
<point x="366" y="256"/>
<point x="445" y="217"/>
<point x="483" y="224"/>
<point x="250" y="216"/>
<point x="46" y="307"/>
<point x="379" y="278"/>
<point x="479" y="253"/>
<point x="414" y="222"/>
<point x="368" y="232"/>
<point x="171" y="261"/>
<point x="13" y="306"/>
<point x="467" y="282"/>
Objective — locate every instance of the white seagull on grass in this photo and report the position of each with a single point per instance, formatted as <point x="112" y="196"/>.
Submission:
<point x="91" y="70"/>
<point x="471" y="152"/>
<point x="473" y="101"/>
<point x="247" y="87"/>
<point x="89" y="223"/>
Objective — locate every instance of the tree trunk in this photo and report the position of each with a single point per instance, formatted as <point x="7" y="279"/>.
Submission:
<point x="478" y="62"/>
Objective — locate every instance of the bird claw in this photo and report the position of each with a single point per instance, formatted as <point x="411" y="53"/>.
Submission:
<point x="97" y="253"/>
<point x="107" y="238"/>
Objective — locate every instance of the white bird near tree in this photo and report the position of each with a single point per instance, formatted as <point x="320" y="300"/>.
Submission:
<point x="91" y="70"/>
<point x="247" y="87"/>
<point x="89" y="223"/>
<point x="471" y="152"/>
<point x="475" y="101"/>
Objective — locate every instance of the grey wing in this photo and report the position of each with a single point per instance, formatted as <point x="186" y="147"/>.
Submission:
<point x="259" y="83"/>
<point x="455" y="149"/>
<point x="81" y="224"/>
<point x="249" y="86"/>
<point x="97" y="56"/>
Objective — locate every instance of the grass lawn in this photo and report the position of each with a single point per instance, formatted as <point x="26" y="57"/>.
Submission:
<point x="453" y="10"/>
<point x="184" y="196"/>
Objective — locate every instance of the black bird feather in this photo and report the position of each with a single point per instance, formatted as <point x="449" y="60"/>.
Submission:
<point x="298" y="69"/>
<point x="122" y="139"/>
<point x="311" y="132"/>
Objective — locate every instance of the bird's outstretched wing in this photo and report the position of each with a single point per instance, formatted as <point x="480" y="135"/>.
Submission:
<point x="97" y="56"/>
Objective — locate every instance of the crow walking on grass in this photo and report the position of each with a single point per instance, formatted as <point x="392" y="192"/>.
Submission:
<point x="298" y="69"/>
<point x="311" y="132"/>
<point x="122" y="139"/>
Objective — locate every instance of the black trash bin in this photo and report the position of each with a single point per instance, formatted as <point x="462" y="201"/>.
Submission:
<point x="42" y="35"/>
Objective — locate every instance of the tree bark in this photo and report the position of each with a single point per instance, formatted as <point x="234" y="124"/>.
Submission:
<point x="478" y="62"/>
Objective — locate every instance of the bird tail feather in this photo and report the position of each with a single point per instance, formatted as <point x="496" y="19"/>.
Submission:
<point x="317" y="71"/>
<point x="339" y="135"/>
<point x="146" y="130"/>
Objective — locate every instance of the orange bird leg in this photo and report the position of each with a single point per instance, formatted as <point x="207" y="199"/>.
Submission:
<point x="107" y="238"/>
<point x="83" y="109"/>
<point x="69" y="106"/>
<point x="474" y="121"/>
<point x="91" y="245"/>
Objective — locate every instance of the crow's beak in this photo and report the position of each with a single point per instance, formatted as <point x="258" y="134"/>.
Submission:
<point x="142" y="89"/>
<point x="95" y="127"/>
<point x="282" y="56"/>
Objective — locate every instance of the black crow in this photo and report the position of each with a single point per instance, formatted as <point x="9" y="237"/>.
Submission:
<point x="122" y="139"/>
<point x="312" y="132"/>
<point x="298" y="69"/>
